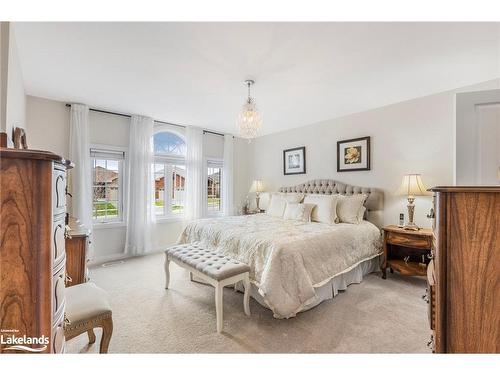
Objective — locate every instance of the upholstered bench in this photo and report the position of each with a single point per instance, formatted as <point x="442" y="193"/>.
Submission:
<point x="216" y="269"/>
<point x="87" y="307"/>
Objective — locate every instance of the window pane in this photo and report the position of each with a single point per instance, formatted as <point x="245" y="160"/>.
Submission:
<point x="159" y="170"/>
<point x="178" y="188"/>
<point x="167" y="143"/>
<point x="213" y="189"/>
<point x="106" y="187"/>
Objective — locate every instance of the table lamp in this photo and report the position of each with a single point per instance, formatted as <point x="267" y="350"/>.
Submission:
<point x="257" y="188"/>
<point x="411" y="187"/>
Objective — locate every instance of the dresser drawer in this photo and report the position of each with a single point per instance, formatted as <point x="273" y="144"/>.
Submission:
<point x="408" y="240"/>
<point x="58" y="240"/>
<point x="58" y="191"/>
<point x="58" y="286"/>
<point x="58" y="341"/>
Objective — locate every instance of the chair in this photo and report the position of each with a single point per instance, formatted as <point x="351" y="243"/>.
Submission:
<point x="87" y="307"/>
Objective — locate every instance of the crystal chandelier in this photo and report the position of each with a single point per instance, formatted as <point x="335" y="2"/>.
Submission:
<point x="249" y="120"/>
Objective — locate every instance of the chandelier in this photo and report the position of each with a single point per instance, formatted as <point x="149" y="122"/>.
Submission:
<point x="249" y="120"/>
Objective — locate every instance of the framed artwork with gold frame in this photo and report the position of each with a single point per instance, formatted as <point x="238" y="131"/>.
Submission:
<point x="353" y="155"/>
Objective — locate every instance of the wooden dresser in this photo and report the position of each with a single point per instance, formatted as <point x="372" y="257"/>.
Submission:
<point x="464" y="274"/>
<point x="77" y="244"/>
<point x="32" y="254"/>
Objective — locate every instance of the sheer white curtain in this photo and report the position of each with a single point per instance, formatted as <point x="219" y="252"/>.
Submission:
<point x="140" y="212"/>
<point x="194" y="181"/>
<point x="227" y="176"/>
<point x="79" y="154"/>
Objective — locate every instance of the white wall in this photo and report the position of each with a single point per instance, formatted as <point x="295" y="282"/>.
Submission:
<point x="414" y="136"/>
<point x="49" y="130"/>
<point x="48" y="125"/>
<point x="472" y="110"/>
<point x="12" y="95"/>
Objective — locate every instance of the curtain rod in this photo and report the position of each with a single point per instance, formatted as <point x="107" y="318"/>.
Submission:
<point x="158" y="121"/>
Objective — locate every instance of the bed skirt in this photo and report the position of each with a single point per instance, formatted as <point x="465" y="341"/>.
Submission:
<point x="332" y="287"/>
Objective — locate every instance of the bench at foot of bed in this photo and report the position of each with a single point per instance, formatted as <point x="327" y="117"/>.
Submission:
<point x="212" y="267"/>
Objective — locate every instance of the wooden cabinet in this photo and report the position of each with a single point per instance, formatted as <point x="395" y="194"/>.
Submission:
<point x="465" y="315"/>
<point x="406" y="252"/>
<point x="77" y="244"/>
<point x="32" y="256"/>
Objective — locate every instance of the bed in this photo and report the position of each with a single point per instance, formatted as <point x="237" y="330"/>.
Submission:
<point x="296" y="265"/>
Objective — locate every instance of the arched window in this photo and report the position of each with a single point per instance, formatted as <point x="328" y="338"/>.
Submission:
<point x="168" y="143"/>
<point x="170" y="173"/>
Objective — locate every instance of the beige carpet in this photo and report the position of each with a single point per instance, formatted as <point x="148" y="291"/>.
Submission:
<point x="376" y="316"/>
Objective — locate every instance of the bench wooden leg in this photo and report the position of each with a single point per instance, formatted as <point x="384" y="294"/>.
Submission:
<point x="107" y="331"/>
<point x="219" y="307"/>
<point x="167" y="271"/>
<point x="91" y="334"/>
<point x="246" y="296"/>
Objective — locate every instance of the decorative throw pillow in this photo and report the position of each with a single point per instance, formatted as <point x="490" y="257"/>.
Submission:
<point x="325" y="208"/>
<point x="298" y="211"/>
<point x="276" y="206"/>
<point x="349" y="207"/>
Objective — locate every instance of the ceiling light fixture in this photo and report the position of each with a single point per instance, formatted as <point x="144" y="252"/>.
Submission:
<point x="249" y="120"/>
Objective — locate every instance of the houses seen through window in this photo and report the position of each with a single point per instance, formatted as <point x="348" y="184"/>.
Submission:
<point x="106" y="185"/>
<point x="214" y="180"/>
<point x="169" y="173"/>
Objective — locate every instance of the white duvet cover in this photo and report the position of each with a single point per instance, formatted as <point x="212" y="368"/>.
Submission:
<point x="288" y="258"/>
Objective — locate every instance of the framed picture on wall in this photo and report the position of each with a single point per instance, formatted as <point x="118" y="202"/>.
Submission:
<point x="294" y="161"/>
<point x="353" y="155"/>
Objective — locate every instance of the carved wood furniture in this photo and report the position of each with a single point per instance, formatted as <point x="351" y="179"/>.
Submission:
<point x="32" y="254"/>
<point x="87" y="307"/>
<point x="77" y="243"/>
<point x="214" y="268"/>
<point x="464" y="276"/>
<point x="401" y="244"/>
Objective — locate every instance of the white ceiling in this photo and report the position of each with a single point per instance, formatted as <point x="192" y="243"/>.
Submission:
<point x="193" y="73"/>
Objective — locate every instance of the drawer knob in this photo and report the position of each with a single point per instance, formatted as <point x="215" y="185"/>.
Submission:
<point x="425" y="297"/>
<point x="430" y="343"/>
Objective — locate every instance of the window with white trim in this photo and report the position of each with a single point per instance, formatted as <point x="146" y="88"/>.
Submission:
<point x="169" y="173"/>
<point x="214" y="186"/>
<point x="107" y="185"/>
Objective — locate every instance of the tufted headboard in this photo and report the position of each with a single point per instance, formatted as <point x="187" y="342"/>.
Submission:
<point x="374" y="203"/>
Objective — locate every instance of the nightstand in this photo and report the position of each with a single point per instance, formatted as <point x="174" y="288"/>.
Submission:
<point x="407" y="252"/>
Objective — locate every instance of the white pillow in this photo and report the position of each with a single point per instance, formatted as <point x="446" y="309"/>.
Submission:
<point x="349" y="207"/>
<point x="298" y="211"/>
<point x="325" y="208"/>
<point x="276" y="206"/>
<point x="292" y="197"/>
<point x="264" y="200"/>
<point x="361" y="214"/>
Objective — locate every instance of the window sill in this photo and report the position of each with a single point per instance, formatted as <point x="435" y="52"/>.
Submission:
<point x="170" y="219"/>
<point x="111" y="224"/>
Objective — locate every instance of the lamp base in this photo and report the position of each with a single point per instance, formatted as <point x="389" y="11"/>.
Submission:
<point x="410" y="225"/>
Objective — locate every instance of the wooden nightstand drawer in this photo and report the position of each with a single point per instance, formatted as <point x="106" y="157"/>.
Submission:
<point x="408" y="240"/>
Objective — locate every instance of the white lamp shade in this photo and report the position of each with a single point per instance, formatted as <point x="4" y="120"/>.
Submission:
<point x="257" y="186"/>
<point x="412" y="185"/>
